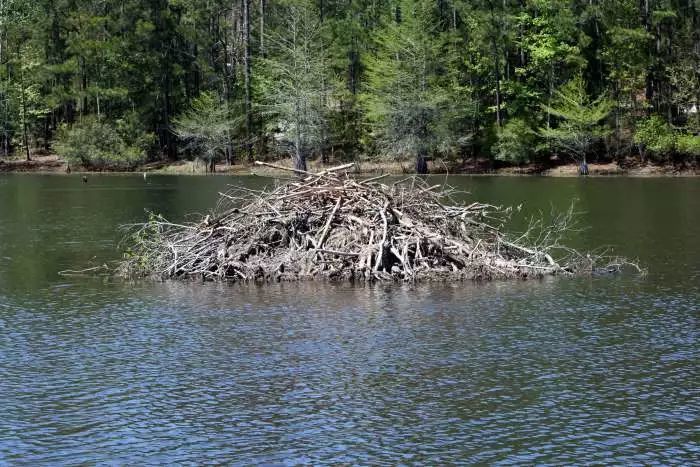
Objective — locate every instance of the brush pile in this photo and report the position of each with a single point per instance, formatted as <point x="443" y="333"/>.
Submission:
<point x="331" y="226"/>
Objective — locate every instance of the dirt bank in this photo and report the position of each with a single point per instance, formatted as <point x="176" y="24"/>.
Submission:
<point x="41" y="164"/>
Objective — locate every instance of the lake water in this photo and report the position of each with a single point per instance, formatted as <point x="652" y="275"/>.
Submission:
<point x="562" y="371"/>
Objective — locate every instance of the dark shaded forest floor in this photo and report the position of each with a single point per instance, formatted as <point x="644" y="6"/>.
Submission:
<point x="37" y="164"/>
<point x="632" y="168"/>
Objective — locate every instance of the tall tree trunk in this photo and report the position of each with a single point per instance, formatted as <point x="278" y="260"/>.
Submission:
<point x="649" y="85"/>
<point x="5" y="145"/>
<point x="497" y="70"/>
<point x="696" y="52"/>
<point x="84" y="85"/>
<point x="496" y="61"/>
<point x="550" y="95"/>
<point x="168" y="142"/>
<point x="299" y="155"/>
<point x="23" y="103"/>
<point x="227" y="80"/>
<point x="299" y="159"/>
<point x="421" y="162"/>
<point x="47" y="133"/>
<point x="246" y="60"/>
<point x="262" y="28"/>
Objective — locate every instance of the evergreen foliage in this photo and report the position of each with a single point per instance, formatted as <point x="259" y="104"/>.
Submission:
<point x="389" y="78"/>
<point x="515" y="142"/>
<point x="579" y="117"/>
<point x="206" y="127"/>
<point x="294" y="88"/>
<point x="655" y="135"/>
<point x="100" y="145"/>
<point x="689" y="145"/>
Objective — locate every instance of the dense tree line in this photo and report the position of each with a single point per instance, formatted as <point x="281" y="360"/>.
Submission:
<point x="119" y="82"/>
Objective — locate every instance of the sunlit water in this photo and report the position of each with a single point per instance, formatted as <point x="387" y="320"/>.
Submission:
<point x="562" y="371"/>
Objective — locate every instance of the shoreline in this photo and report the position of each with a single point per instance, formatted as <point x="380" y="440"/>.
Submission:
<point x="56" y="166"/>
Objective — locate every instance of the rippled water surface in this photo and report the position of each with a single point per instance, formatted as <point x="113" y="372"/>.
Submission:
<point x="563" y="371"/>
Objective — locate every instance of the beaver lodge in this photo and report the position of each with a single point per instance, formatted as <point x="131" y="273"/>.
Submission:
<point x="331" y="226"/>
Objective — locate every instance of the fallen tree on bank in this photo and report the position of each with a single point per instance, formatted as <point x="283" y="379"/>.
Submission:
<point x="331" y="226"/>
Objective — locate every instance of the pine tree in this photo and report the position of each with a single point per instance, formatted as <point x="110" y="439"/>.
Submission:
<point x="579" y="119"/>
<point x="207" y="128"/>
<point x="404" y="98"/>
<point x="294" y="83"/>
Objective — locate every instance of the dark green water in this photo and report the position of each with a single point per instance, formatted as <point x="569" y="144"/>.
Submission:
<point x="564" y="371"/>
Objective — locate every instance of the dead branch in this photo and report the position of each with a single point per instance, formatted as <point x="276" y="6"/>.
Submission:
<point x="328" y="225"/>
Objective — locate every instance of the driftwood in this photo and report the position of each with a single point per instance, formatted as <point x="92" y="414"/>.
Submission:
<point x="331" y="226"/>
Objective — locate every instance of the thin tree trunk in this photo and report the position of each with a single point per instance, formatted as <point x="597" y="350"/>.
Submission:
<point x="498" y="85"/>
<point x="551" y="93"/>
<point x="696" y="51"/>
<point x="84" y="85"/>
<point x="167" y="135"/>
<point x="299" y="156"/>
<point x="246" y="59"/>
<point x="262" y="28"/>
<point x="5" y="146"/>
<point x="47" y="133"/>
<point x="497" y="63"/>
<point x="229" y="154"/>
<point x="649" y="85"/>
<point x="421" y="163"/>
<point x="23" y="103"/>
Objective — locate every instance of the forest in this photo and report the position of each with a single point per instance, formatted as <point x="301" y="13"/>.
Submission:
<point x="120" y="83"/>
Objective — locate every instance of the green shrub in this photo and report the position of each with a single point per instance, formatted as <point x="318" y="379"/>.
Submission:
<point x="99" y="144"/>
<point x="656" y="136"/>
<point x="688" y="144"/>
<point x="514" y="142"/>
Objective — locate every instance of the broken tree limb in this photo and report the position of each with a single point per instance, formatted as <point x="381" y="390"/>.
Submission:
<point x="331" y="226"/>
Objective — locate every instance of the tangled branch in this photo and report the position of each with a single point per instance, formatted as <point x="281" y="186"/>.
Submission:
<point x="331" y="226"/>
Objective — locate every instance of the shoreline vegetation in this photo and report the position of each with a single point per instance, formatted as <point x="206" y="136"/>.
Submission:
<point x="331" y="226"/>
<point x="506" y="87"/>
<point x="52" y="164"/>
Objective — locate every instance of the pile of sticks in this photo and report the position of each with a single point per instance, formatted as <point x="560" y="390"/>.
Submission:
<point x="331" y="226"/>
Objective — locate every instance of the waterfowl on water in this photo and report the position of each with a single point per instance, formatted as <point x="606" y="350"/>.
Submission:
<point x="84" y="178"/>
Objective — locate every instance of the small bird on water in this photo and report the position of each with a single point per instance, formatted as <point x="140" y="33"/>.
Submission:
<point x="84" y="178"/>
